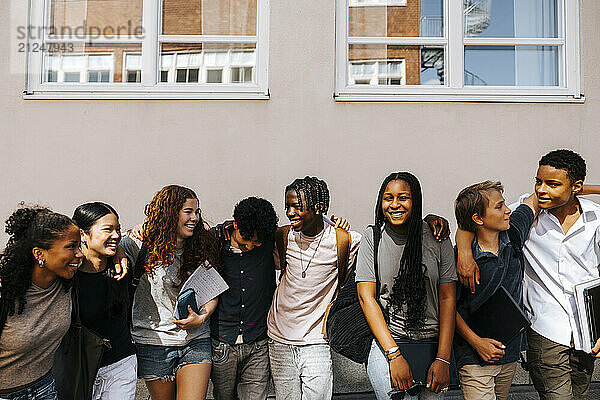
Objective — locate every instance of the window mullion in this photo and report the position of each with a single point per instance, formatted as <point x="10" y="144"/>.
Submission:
<point x="571" y="50"/>
<point x="150" y="44"/>
<point x="455" y="69"/>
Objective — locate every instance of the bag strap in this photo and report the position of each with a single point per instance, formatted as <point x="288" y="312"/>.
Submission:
<point x="376" y="240"/>
<point x="343" y="240"/>
<point x="3" y="311"/>
<point x="281" y="239"/>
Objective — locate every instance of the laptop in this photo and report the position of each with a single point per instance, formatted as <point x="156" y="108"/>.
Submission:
<point x="499" y="318"/>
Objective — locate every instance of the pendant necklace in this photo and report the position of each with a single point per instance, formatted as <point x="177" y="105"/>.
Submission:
<point x="313" y="256"/>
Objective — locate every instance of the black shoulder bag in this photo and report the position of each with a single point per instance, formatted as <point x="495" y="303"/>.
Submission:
<point x="77" y="359"/>
<point x="347" y="328"/>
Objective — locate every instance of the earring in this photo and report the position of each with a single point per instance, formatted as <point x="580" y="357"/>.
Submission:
<point x="41" y="262"/>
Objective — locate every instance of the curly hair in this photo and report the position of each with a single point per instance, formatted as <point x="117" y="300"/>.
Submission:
<point x="116" y="300"/>
<point x="315" y="193"/>
<point x="408" y="291"/>
<point x="254" y="214"/>
<point x="159" y="232"/>
<point x="27" y="227"/>
<point x="568" y="160"/>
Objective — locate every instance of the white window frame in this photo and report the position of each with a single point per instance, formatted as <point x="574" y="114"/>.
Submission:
<point x="454" y="41"/>
<point x="150" y="86"/>
<point x="377" y="3"/>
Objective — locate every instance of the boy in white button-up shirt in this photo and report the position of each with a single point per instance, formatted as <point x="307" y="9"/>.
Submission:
<point x="563" y="249"/>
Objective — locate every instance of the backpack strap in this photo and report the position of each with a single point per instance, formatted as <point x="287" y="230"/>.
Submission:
<point x="281" y="239"/>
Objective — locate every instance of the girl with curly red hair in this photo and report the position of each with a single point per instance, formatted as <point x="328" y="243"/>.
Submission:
<point x="174" y="356"/>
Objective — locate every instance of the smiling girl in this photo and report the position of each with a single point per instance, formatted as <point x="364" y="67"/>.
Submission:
<point x="174" y="356"/>
<point x="103" y="301"/>
<point x="40" y="258"/>
<point x="417" y="291"/>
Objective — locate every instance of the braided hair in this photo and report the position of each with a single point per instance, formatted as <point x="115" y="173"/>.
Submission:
<point x="27" y="227"/>
<point x="316" y="193"/>
<point x="408" y="292"/>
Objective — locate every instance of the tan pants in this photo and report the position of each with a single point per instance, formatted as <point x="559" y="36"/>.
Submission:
<point x="488" y="382"/>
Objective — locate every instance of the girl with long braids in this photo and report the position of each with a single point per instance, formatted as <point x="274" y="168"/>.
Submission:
<point x="40" y="258"/>
<point x="417" y="277"/>
<point x="174" y="356"/>
<point x="104" y="301"/>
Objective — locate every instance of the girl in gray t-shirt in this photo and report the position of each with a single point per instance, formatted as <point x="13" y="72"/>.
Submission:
<point x="417" y="278"/>
<point x="174" y="356"/>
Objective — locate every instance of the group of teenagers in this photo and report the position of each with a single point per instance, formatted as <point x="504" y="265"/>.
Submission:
<point x="412" y="286"/>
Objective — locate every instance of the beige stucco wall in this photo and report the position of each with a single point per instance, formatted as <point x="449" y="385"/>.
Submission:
<point x="63" y="153"/>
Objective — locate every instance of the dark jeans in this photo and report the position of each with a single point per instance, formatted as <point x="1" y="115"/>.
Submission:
<point x="558" y="372"/>
<point x="43" y="389"/>
<point x="240" y="371"/>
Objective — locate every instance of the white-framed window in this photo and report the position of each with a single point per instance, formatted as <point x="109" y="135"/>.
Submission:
<point x="377" y="72"/>
<point x="79" y="68"/>
<point x="458" y="50"/>
<point x="205" y="49"/>
<point x="366" y="3"/>
<point x="208" y="64"/>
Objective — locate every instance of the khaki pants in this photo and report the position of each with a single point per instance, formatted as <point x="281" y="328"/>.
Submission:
<point x="558" y="372"/>
<point x="487" y="382"/>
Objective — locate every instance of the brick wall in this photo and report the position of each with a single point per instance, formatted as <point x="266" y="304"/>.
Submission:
<point x="397" y="21"/>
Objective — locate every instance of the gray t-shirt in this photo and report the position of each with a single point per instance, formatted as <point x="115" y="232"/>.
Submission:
<point x="154" y="304"/>
<point x="438" y="259"/>
<point x="30" y="339"/>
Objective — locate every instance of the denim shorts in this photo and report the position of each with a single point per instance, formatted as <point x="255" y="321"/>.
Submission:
<point x="162" y="362"/>
<point x="43" y="389"/>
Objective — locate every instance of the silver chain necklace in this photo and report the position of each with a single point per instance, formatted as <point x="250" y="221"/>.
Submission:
<point x="313" y="256"/>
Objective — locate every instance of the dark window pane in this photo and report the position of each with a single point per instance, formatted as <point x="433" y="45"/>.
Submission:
<point x="214" y="76"/>
<point x="52" y="76"/>
<point x="235" y="74"/>
<point x="193" y="75"/>
<point x="133" y="76"/>
<point x="248" y="74"/>
<point x="93" y="76"/>
<point x="164" y="76"/>
<point x="105" y="76"/>
<point x="181" y="75"/>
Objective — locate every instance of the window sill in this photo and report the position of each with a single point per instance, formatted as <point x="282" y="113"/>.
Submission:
<point x="354" y="97"/>
<point x="47" y="95"/>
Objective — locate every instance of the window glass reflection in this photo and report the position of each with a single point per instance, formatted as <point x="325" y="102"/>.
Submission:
<point x="395" y="65"/>
<point x="209" y="17"/>
<point x="413" y="19"/>
<point x="512" y="66"/>
<point x="92" y="63"/>
<point x="511" y="18"/>
<point x="207" y="63"/>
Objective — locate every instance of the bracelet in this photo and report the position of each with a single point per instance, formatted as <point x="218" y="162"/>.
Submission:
<point x="391" y="350"/>
<point x="442" y="360"/>
<point x="394" y="357"/>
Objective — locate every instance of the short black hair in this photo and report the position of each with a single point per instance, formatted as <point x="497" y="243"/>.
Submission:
<point x="568" y="160"/>
<point x="254" y="214"/>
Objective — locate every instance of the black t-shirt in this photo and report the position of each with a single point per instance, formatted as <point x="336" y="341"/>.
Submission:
<point x="93" y="295"/>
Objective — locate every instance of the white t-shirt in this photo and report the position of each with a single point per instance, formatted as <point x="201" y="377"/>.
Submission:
<point x="299" y="304"/>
